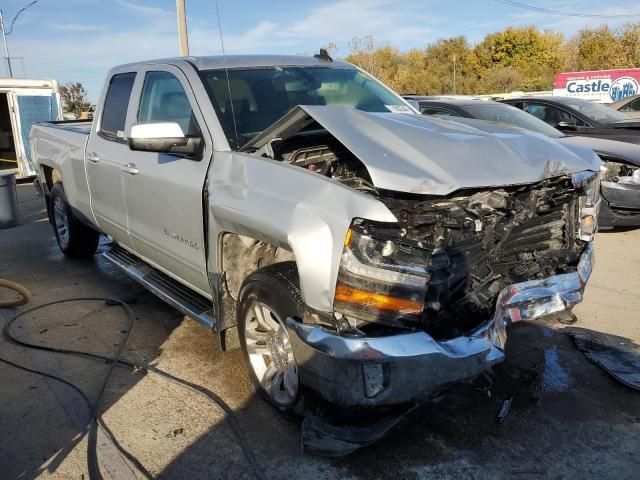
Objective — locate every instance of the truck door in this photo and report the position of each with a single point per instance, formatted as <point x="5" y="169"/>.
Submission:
<point x="107" y="154"/>
<point x="163" y="192"/>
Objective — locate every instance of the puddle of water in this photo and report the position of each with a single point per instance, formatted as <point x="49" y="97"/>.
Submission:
<point x="554" y="376"/>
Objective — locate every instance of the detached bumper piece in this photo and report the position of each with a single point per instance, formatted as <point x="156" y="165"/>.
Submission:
<point x="618" y="356"/>
<point x="412" y="367"/>
<point x="620" y="205"/>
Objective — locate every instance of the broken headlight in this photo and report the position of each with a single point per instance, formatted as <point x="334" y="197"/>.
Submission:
<point x="620" y="173"/>
<point x="382" y="277"/>
<point x="588" y="183"/>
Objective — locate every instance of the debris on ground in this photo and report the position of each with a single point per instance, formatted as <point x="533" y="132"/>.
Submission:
<point x="324" y="437"/>
<point x="619" y="356"/>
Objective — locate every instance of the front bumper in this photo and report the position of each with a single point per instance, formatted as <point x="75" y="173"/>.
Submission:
<point x="374" y="371"/>
<point x="620" y="205"/>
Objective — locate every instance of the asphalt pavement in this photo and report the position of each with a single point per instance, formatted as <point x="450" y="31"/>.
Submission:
<point x="568" y="418"/>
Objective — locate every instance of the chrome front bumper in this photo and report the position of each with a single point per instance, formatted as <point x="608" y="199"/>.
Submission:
<point x="361" y="371"/>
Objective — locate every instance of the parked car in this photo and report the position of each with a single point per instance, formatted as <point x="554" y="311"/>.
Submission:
<point x="621" y="176"/>
<point x="580" y="117"/>
<point x="355" y="250"/>
<point x="629" y="106"/>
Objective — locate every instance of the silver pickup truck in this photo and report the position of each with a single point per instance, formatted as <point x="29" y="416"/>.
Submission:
<point x="303" y="211"/>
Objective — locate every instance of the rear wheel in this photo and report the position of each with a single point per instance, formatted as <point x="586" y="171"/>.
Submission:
<point x="74" y="238"/>
<point x="267" y="298"/>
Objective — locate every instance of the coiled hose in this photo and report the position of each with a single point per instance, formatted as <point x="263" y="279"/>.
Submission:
<point x="25" y="294"/>
<point x="96" y="418"/>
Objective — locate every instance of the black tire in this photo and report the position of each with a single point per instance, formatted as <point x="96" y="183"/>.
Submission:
<point x="74" y="238"/>
<point x="277" y="287"/>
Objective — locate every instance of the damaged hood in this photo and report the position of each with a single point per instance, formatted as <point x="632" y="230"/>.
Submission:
<point x="627" y="152"/>
<point x="422" y="155"/>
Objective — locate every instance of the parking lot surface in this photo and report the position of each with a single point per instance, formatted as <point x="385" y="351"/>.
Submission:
<point x="568" y="419"/>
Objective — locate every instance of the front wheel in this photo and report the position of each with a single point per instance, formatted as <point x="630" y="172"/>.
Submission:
<point x="267" y="298"/>
<point x="74" y="238"/>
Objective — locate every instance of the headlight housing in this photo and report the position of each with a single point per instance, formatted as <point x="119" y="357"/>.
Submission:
<point x="382" y="277"/>
<point x="618" y="172"/>
<point x="588" y="183"/>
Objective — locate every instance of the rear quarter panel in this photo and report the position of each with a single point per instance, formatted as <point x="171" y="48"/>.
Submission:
<point x="62" y="148"/>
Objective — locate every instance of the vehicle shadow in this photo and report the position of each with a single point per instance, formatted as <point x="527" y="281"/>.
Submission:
<point x="554" y="391"/>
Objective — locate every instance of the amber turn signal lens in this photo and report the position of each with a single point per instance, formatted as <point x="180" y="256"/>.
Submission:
<point x="588" y="224"/>
<point x="347" y="239"/>
<point x="378" y="301"/>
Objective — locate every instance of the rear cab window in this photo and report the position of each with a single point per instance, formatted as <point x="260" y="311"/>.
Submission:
<point x="116" y="103"/>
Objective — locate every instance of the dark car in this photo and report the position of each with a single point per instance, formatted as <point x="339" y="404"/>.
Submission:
<point x="580" y="117"/>
<point x="620" y="179"/>
<point x="629" y="106"/>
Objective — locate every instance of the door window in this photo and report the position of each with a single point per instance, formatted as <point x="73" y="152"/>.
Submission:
<point x="551" y="114"/>
<point x="633" y="106"/>
<point x="437" y="111"/>
<point x="116" y="103"/>
<point x="164" y="100"/>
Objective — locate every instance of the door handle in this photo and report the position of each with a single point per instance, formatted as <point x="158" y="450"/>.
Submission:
<point x="130" y="168"/>
<point x="93" y="158"/>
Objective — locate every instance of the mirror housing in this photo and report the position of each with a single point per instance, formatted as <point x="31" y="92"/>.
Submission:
<point x="163" y="137"/>
<point x="567" y="125"/>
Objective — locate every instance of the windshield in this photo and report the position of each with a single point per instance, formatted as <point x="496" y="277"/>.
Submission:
<point x="499" y="112"/>
<point x="595" y="111"/>
<point x="263" y="95"/>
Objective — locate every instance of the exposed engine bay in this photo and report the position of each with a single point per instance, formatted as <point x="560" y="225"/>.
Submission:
<point x="487" y="240"/>
<point x="478" y="242"/>
<point x="327" y="156"/>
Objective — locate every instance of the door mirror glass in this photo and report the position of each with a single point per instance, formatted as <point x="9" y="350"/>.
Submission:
<point x="163" y="137"/>
<point x="568" y="124"/>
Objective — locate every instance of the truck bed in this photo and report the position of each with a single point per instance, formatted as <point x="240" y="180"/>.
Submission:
<point x="61" y="146"/>
<point x="78" y="126"/>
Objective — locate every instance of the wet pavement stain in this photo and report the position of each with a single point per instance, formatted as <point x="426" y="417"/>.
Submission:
<point x="555" y="377"/>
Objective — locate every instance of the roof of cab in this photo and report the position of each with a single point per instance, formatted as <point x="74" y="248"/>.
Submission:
<point x="245" y="61"/>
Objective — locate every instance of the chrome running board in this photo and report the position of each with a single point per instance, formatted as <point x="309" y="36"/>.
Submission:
<point x="166" y="288"/>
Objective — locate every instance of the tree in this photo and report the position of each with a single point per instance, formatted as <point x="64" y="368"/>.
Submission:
<point x="630" y="44"/>
<point x="382" y="62"/>
<point x="516" y="58"/>
<point x="74" y="98"/>
<point x="597" y="49"/>
<point x="440" y="57"/>
<point x="536" y="56"/>
<point x="502" y="79"/>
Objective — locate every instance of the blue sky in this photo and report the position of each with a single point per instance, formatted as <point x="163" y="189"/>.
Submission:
<point x="79" y="40"/>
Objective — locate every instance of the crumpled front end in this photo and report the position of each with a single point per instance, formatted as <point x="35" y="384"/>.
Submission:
<point x="412" y="367"/>
<point x="425" y="304"/>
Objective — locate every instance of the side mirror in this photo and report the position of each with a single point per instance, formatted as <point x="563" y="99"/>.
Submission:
<point x="163" y="137"/>
<point x="567" y="125"/>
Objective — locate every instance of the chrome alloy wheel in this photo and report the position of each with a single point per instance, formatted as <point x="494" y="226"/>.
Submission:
<point x="270" y="354"/>
<point x="61" y="220"/>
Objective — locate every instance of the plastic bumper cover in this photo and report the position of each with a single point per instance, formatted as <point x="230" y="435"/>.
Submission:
<point x="361" y="371"/>
<point x="620" y="205"/>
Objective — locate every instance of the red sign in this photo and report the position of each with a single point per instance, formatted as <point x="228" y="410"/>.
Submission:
<point x="604" y="86"/>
